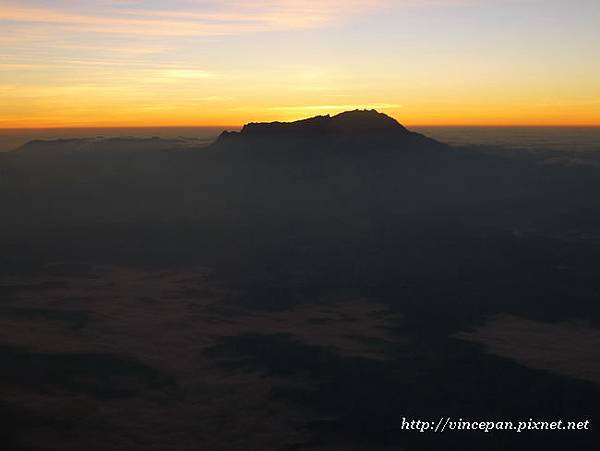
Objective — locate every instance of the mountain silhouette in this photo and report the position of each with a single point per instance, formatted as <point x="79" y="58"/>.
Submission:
<point x="349" y="122"/>
<point x="363" y="127"/>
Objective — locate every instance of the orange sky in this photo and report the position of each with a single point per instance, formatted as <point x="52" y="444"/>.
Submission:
<point x="425" y="62"/>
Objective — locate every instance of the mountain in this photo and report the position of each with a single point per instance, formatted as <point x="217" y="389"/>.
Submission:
<point x="53" y="147"/>
<point x="348" y="130"/>
<point x="358" y="127"/>
<point x="360" y="168"/>
<point x="349" y="122"/>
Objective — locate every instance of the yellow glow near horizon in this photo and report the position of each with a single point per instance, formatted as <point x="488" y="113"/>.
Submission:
<point x="229" y="62"/>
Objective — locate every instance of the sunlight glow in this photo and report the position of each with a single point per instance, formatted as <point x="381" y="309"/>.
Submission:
<point x="426" y="62"/>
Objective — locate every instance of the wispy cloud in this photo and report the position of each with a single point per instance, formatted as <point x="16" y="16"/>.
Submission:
<point x="184" y="18"/>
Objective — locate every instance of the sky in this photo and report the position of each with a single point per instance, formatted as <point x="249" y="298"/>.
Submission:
<point x="82" y="63"/>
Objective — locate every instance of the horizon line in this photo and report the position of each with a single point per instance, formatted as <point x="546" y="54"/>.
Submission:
<point x="239" y="126"/>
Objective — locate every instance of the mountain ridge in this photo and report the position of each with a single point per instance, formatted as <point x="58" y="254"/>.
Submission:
<point x="350" y="127"/>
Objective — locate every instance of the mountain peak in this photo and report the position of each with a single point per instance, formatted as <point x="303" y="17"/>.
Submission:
<point x="351" y="129"/>
<point x="366" y="120"/>
<point x="357" y="122"/>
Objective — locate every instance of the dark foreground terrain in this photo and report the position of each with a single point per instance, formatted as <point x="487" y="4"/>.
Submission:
<point x="296" y="286"/>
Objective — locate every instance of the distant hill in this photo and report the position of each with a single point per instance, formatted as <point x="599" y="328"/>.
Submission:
<point x="106" y="144"/>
